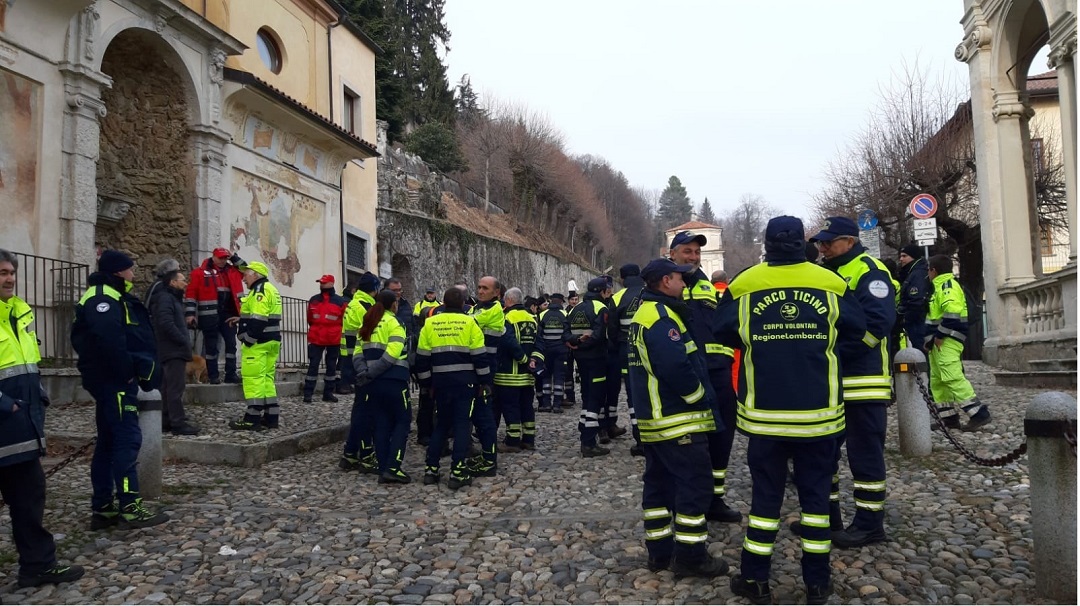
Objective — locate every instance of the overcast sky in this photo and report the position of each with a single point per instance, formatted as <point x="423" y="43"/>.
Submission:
<point x="731" y="97"/>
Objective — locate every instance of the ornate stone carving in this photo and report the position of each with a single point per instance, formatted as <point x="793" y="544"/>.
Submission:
<point x="1061" y="54"/>
<point x="1011" y="105"/>
<point x="112" y="209"/>
<point x="79" y="100"/>
<point x="8" y="54"/>
<point x="161" y="21"/>
<point x="88" y="25"/>
<point x="217" y="65"/>
<point x="976" y="40"/>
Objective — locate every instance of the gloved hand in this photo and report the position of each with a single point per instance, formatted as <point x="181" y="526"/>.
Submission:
<point x="236" y="260"/>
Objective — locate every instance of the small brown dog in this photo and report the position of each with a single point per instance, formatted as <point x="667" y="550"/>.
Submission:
<point x="196" y="370"/>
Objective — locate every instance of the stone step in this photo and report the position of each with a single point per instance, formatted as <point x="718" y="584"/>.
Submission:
<point x="225" y="392"/>
<point x="65" y="385"/>
<point x="1056" y="364"/>
<point x="1038" y="379"/>
<point x="220" y="452"/>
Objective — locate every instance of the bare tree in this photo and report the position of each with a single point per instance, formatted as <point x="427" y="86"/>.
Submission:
<point x="744" y="227"/>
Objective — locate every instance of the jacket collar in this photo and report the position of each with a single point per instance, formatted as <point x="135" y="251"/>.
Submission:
<point x="844" y="259"/>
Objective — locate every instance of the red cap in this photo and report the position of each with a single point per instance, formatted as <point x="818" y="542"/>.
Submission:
<point x="327" y="279"/>
<point x="222" y="253"/>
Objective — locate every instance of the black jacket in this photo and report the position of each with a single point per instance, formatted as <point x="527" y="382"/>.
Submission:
<point x="170" y="330"/>
<point x="113" y="337"/>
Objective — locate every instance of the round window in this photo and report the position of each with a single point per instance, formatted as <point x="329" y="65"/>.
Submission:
<point x="269" y="51"/>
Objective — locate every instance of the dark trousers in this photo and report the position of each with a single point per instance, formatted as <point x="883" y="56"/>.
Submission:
<point x="425" y="416"/>
<point x="568" y="378"/>
<point x="593" y="396"/>
<point x="609" y="413"/>
<point x="348" y="372"/>
<point x="112" y="469"/>
<point x="720" y="441"/>
<point x="211" y="349"/>
<point x="516" y="405"/>
<point x="389" y="401"/>
<point x="483" y="418"/>
<point x="674" y="498"/>
<point x="552" y="382"/>
<point x="768" y="462"/>
<point x="865" y="439"/>
<point x="453" y="409"/>
<point x="624" y="352"/>
<point x="315" y="355"/>
<point x="23" y="487"/>
<point x="361" y="439"/>
<point x="173" y="383"/>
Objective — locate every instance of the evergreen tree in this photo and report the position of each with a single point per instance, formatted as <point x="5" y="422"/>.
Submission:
<point x="410" y="78"/>
<point x="436" y="143"/>
<point x="675" y="207"/>
<point x="706" y="214"/>
<point x="468" y="103"/>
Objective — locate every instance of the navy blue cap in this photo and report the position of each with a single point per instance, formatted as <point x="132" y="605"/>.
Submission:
<point x="630" y="269"/>
<point x="599" y="283"/>
<point x="114" y="261"/>
<point x="368" y="282"/>
<point x="556" y="296"/>
<point x="658" y="268"/>
<point x="686" y="237"/>
<point x="836" y="227"/>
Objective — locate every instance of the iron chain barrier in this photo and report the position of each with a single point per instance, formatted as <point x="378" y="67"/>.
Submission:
<point x="964" y="450"/>
<point x="80" y="451"/>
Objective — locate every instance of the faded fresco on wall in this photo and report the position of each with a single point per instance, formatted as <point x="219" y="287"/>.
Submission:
<point x="282" y="146"/>
<point x="20" y="136"/>
<point x="274" y="225"/>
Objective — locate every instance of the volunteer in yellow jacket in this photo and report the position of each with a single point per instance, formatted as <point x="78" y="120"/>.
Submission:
<point x="946" y="331"/>
<point x="260" y="337"/>
<point x="383" y="369"/>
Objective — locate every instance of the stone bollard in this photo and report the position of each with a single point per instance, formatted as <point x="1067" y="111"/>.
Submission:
<point x="1052" y="468"/>
<point x="150" y="452"/>
<point x="914" y="418"/>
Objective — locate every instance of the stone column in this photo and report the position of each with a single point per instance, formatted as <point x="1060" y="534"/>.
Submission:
<point x="210" y="163"/>
<point x="912" y="413"/>
<point x="78" y="175"/>
<point x="1061" y="59"/>
<point x="1011" y="113"/>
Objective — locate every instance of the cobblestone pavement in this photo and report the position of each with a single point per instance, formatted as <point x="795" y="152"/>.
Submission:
<point x="551" y="528"/>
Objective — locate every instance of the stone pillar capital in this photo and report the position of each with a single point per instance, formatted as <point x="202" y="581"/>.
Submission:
<point x="1062" y="53"/>
<point x="1011" y="105"/>
<point x="975" y="40"/>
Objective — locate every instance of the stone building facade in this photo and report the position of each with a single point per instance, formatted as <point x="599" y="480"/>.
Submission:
<point x="168" y="128"/>
<point x="1030" y="315"/>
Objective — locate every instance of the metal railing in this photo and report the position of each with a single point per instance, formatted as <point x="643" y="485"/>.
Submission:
<point x="52" y="288"/>
<point x="293" y="332"/>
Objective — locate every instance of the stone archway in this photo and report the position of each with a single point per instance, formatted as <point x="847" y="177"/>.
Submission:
<point x="401" y="268"/>
<point x="145" y="177"/>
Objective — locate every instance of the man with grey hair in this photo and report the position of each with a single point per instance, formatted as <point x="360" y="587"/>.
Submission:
<point x="517" y="358"/>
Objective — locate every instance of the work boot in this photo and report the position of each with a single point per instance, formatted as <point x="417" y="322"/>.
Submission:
<point x="557" y="410"/>
<point x="720" y="512"/>
<point x="308" y="399"/>
<point x="857" y="537"/>
<point x="349" y="463"/>
<point x="615" y="431"/>
<point x="981" y="418"/>
<point x="368" y="464"/>
<point x="431" y="476"/>
<point x="232" y="379"/>
<point x="543" y="409"/>
<point x="508" y="448"/>
<point x="136" y="515"/>
<point x="951" y="420"/>
<point x="819" y="594"/>
<point x="479" y="467"/>
<point x="343" y="390"/>
<point x="528" y="446"/>
<point x="756" y="592"/>
<point x="270" y="424"/>
<point x="594" y="451"/>
<point x="186" y="428"/>
<point x="242" y="425"/>
<point x="602" y="437"/>
<point x="710" y="567"/>
<point x="659" y="564"/>
<point x="329" y="397"/>
<point x="215" y="381"/>
<point x="394" y="476"/>
<point x="458" y="479"/>
<point x="108" y="517"/>
<point x="56" y="574"/>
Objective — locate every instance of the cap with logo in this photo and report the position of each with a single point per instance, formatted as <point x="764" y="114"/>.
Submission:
<point x="836" y="227"/>
<point x="599" y="283"/>
<point x="686" y="237"/>
<point x="658" y="268"/>
<point x="222" y="253"/>
<point x="327" y="279"/>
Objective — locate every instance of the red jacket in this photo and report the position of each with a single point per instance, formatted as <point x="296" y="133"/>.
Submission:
<point x="325" y="314"/>
<point x="207" y="284"/>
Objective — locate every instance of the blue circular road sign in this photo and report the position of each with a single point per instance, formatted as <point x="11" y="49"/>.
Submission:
<point x="867" y="220"/>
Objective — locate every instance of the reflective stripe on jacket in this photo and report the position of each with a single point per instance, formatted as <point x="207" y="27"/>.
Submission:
<point x="260" y="314"/>
<point x="948" y="315"/>
<point x="451" y="351"/>
<point x="22" y="432"/>
<point x="702" y="298"/>
<point x="791" y="322"/>
<point x="517" y="345"/>
<point x="325" y="317"/>
<point x="385" y="353"/>
<point x="668" y="368"/>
